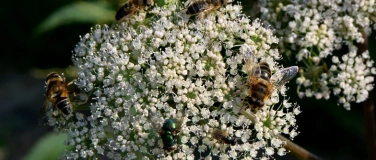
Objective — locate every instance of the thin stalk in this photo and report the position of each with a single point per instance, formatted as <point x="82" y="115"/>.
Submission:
<point x="295" y="149"/>
<point x="368" y="109"/>
<point x="369" y="118"/>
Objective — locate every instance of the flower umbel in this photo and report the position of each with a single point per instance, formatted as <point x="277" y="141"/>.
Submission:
<point x="147" y="70"/>
<point x="315" y="32"/>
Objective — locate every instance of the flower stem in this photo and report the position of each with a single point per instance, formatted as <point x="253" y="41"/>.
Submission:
<point x="368" y="107"/>
<point x="369" y="118"/>
<point x="295" y="149"/>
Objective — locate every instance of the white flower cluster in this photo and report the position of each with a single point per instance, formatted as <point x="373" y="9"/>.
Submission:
<point x="314" y="32"/>
<point x="144" y="71"/>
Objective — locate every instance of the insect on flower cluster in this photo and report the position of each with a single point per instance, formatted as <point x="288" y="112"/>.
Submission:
<point x="59" y="95"/>
<point x="323" y="36"/>
<point x="195" y="7"/>
<point x="259" y="82"/>
<point x="165" y="86"/>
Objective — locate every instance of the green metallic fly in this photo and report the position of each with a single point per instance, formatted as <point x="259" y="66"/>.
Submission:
<point x="169" y="134"/>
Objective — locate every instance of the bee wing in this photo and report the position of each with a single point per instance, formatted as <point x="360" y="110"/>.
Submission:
<point x="156" y="124"/>
<point x="47" y="104"/>
<point x="257" y="70"/>
<point x="179" y="123"/>
<point x="75" y="93"/>
<point x="286" y="75"/>
<point x="252" y="67"/>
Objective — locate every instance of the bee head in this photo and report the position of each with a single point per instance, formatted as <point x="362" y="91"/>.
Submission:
<point x="53" y="76"/>
<point x="169" y="125"/>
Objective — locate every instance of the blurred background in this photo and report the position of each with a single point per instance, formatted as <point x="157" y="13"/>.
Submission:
<point x="39" y="38"/>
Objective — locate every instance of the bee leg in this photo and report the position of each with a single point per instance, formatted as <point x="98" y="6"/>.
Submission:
<point x="137" y="11"/>
<point x="54" y="112"/>
<point x="62" y="75"/>
<point x="243" y="108"/>
<point x="204" y="14"/>
<point x="219" y="12"/>
<point x="148" y="7"/>
<point x="201" y="16"/>
<point x="175" y="132"/>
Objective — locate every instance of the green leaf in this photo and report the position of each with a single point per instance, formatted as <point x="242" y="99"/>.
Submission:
<point x="117" y="2"/>
<point x="51" y="146"/>
<point x="77" y="12"/>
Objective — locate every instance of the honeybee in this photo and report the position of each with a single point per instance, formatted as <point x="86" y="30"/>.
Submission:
<point x="224" y="137"/>
<point x="58" y="94"/>
<point x="204" y="6"/>
<point x="131" y="7"/>
<point x="259" y="84"/>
